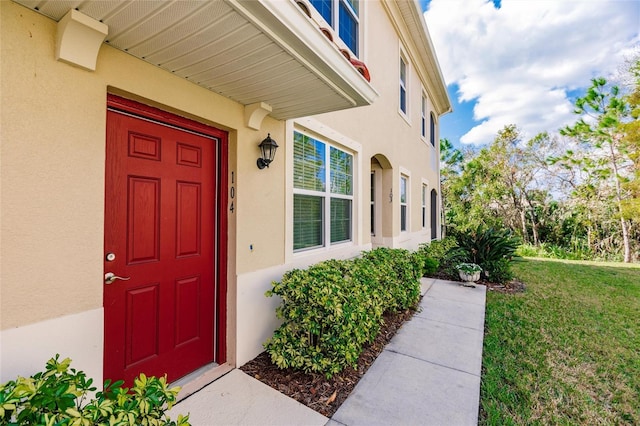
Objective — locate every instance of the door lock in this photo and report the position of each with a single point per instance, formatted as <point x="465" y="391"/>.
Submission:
<point x="110" y="277"/>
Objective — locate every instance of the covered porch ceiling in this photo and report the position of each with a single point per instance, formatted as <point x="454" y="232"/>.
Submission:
<point x="250" y="51"/>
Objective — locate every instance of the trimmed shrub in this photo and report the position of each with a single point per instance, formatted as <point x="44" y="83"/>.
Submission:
<point x="58" y="396"/>
<point x="399" y="272"/>
<point x="330" y="310"/>
<point x="328" y="313"/>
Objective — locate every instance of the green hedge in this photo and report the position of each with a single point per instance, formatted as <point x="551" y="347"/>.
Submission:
<point x="330" y="310"/>
<point x="397" y="275"/>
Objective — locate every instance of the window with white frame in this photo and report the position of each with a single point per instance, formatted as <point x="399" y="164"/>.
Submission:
<point x="322" y="194"/>
<point x="343" y="17"/>
<point x="423" y="117"/>
<point x="432" y="129"/>
<point x="404" y="201"/>
<point x="424" y="205"/>
<point x="403" y="86"/>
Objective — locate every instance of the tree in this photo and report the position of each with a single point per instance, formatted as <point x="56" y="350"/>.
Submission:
<point x="631" y="206"/>
<point x="466" y="189"/>
<point x="450" y="163"/>
<point x="496" y="186"/>
<point x="605" y="158"/>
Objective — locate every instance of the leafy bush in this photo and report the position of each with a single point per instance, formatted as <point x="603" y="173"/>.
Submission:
<point x="498" y="271"/>
<point x="445" y="253"/>
<point x="398" y="273"/>
<point x="454" y="257"/>
<point x="431" y="266"/>
<point x="438" y="249"/>
<point x="490" y="248"/>
<point x="57" y="397"/>
<point x="488" y="244"/>
<point x="327" y="314"/>
<point x="333" y="308"/>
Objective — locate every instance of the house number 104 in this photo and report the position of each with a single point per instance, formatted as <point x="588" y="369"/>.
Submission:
<point x="232" y="192"/>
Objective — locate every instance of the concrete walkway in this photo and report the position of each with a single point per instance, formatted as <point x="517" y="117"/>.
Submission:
<point x="429" y="374"/>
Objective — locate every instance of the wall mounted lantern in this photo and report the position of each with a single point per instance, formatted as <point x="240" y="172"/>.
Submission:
<point x="268" y="149"/>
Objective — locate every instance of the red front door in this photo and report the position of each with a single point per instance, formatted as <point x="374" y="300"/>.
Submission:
<point x="162" y="236"/>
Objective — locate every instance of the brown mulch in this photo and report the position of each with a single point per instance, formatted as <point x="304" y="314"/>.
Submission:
<point x="316" y="391"/>
<point x="513" y="286"/>
<point x="327" y="395"/>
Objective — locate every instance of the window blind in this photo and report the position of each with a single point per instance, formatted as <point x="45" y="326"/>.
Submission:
<point x="340" y="220"/>
<point x="307" y="221"/>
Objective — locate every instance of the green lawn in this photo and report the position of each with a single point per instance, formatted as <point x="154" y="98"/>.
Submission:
<point x="567" y="350"/>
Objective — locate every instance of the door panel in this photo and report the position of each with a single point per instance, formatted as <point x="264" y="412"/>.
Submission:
<point x="142" y="332"/>
<point x="143" y="220"/>
<point x="161" y="214"/>
<point x="188" y="207"/>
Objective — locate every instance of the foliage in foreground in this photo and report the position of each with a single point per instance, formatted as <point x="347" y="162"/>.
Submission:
<point x="566" y="350"/>
<point x="57" y="397"/>
<point x="330" y="310"/>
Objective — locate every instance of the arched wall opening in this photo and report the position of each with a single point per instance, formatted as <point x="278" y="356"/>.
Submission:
<point x="381" y="210"/>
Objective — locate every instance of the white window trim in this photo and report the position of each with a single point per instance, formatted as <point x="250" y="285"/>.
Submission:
<point x="427" y="223"/>
<point x="335" y="12"/>
<point x="424" y="116"/>
<point x="407" y="86"/>
<point x="405" y="173"/>
<point x="424" y="194"/>
<point x="312" y="127"/>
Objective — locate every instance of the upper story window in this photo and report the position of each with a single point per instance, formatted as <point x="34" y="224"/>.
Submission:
<point x="322" y="194"/>
<point x="423" y="117"/>
<point x="342" y="15"/>
<point x="432" y="129"/>
<point x="403" y="86"/>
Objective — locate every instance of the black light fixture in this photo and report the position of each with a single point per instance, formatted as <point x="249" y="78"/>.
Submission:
<point x="268" y="149"/>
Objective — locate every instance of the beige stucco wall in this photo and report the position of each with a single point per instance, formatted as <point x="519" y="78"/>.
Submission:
<point x="52" y="170"/>
<point x="365" y="132"/>
<point x="52" y="129"/>
<point x="382" y="129"/>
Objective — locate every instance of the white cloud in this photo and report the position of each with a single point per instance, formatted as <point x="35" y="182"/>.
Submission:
<point x="518" y="62"/>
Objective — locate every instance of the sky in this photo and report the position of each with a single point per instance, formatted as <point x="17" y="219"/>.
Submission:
<point x="524" y="62"/>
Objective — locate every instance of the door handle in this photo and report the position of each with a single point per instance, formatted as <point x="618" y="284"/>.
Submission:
<point x="110" y="277"/>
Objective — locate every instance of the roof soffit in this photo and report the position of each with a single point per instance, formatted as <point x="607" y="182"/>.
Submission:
<point x="249" y="51"/>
